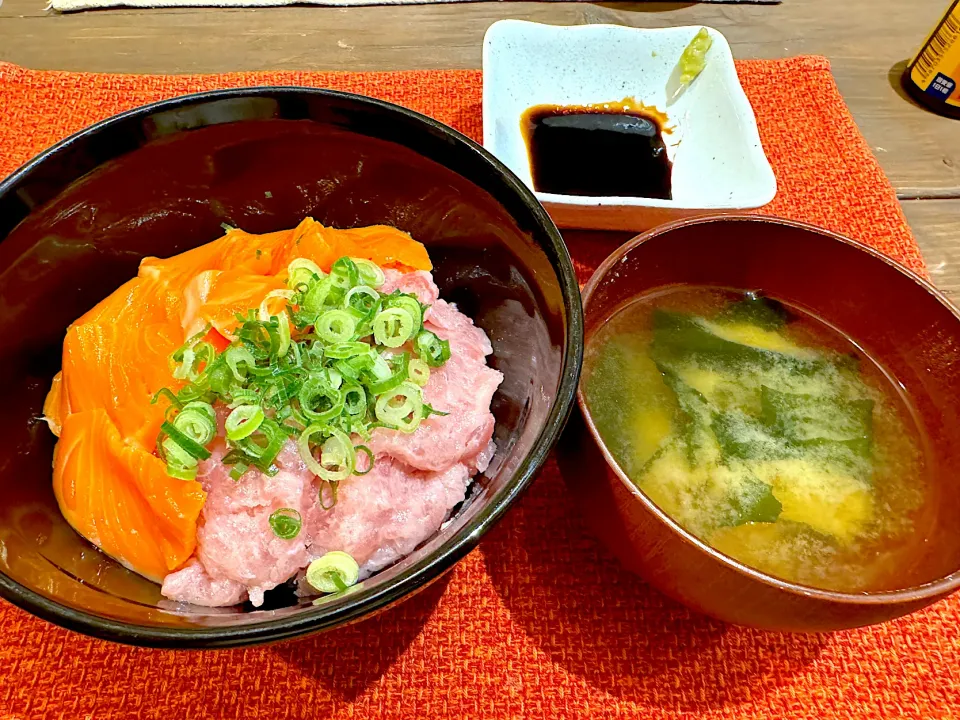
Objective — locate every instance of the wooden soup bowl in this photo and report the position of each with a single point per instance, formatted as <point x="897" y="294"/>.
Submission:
<point x="895" y="316"/>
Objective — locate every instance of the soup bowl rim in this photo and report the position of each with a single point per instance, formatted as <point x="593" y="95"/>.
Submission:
<point x="940" y="586"/>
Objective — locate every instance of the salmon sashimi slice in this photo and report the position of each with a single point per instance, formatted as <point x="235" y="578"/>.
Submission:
<point x="384" y="245"/>
<point x="236" y="250"/>
<point x="113" y="305"/>
<point x="118" y="368"/>
<point x="117" y="363"/>
<point x="52" y="413"/>
<point x="387" y="247"/>
<point x="120" y="497"/>
<point x="110" y="485"/>
<point x="216" y="298"/>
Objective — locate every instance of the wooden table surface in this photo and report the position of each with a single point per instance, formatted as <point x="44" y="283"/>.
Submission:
<point x="867" y="42"/>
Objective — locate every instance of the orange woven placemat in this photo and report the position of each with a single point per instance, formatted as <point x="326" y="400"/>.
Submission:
<point x="539" y="621"/>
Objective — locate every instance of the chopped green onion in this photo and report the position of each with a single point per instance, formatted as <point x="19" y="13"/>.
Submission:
<point x="354" y="399"/>
<point x="319" y="401"/>
<point x="192" y="357"/>
<point x="369" y="272"/>
<point x="334" y="572"/>
<point x="176" y="456"/>
<point x="169" y="395"/>
<point x="244" y="421"/>
<point x="379" y="369"/>
<point x="265" y="313"/>
<point x="337" y="456"/>
<point x="197" y="421"/>
<point x="283" y="330"/>
<point x="334" y="378"/>
<point x="353" y="367"/>
<point x="365" y="323"/>
<point x="361" y="298"/>
<point x="336" y="580"/>
<point x="401" y="407"/>
<point x="184" y="371"/>
<point x="184" y="441"/>
<point x="398" y="368"/>
<point x="366" y="451"/>
<point x="265" y="444"/>
<point x="181" y="472"/>
<point x="409" y="304"/>
<point x="418" y="372"/>
<point x="335" y="326"/>
<point x="347" y="370"/>
<point x="286" y="523"/>
<point x="190" y="392"/>
<point x="393" y="327"/>
<point x="233" y="457"/>
<point x="242" y="396"/>
<point x="431" y="349"/>
<point x="260" y="338"/>
<point x="333" y="495"/>
<point x="303" y="271"/>
<point x="204" y="352"/>
<point x="429" y="410"/>
<point x="317" y="296"/>
<point x="218" y="378"/>
<point x="178" y="354"/>
<point x="344" y="274"/>
<point x="237" y="355"/>
<point x="335" y="372"/>
<point x="303" y="445"/>
<point x="342" y="351"/>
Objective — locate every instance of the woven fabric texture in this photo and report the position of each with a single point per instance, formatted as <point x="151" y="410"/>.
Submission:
<point x="539" y="621"/>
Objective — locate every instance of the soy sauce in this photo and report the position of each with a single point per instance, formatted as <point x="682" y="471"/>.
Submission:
<point x="605" y="150"/>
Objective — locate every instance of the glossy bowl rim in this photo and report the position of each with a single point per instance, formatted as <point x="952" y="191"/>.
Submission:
<point x="936" y="588"/>
<point x="431" y="566"/>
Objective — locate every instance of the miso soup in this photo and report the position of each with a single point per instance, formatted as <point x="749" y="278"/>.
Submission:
<point x="764" y="432"/>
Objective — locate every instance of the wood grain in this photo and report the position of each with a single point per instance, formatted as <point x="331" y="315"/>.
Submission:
<point x="936" y="224"/>
<point x="867" y="42"/>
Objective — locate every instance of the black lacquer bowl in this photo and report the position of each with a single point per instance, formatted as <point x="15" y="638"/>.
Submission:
<point x="159" y="180"/>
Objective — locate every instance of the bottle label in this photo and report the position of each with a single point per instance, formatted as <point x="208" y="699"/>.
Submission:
<point x="936" y="69"/>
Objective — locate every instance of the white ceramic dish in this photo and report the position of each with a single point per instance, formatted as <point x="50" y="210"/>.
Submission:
<point x="718" y="160"/>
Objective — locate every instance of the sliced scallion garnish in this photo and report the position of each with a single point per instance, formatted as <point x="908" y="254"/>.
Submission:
<point x="339" y="360"/>
<point x="303" y="271"/>
<point x="243" y="422"/>
<point x="184" y="441"/>
<point x="286" y="523"/>
<point x="319" y="401"/>
<point x="401" y="408"/>
<point x="392" y="327"/>
<point x="335" y="327"/>
<point x="431" y="349"/>
<point x="369" y="272"/>
<point x="418" y="372"/>
<point x="366" y="451"/>
<point x="334" y="572"/>
<point x="410" y="305"/>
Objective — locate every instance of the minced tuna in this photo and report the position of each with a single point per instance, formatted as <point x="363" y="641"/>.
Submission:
<point x="380" y="517"/>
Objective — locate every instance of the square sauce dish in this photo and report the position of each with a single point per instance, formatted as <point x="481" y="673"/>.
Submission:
<point x="709" y="132"/>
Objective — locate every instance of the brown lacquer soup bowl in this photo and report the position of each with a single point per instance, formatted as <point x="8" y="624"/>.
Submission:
<point x="76" y="221"/>
<point x="893" y="314"/>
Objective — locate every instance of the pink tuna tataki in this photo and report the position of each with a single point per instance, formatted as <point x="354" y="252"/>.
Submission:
<point x="380" y="517"/>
